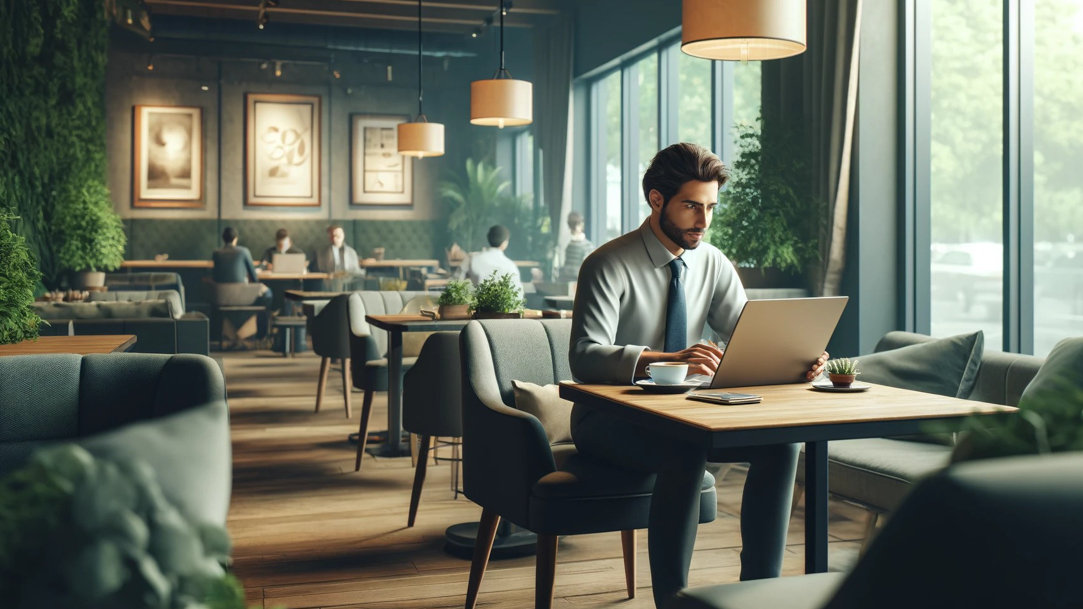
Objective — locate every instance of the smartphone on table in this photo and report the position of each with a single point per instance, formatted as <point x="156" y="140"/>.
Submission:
<point x="727" y="398"/>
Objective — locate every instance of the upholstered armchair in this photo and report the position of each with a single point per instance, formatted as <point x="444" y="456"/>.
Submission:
<point x="995" y="533"/>
<point x="167" y="410"/>
<point x="513" y="472"/>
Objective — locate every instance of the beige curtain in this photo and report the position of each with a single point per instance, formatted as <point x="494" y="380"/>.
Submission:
<point x="552" y="119"/>
<point x="816" y="92"/>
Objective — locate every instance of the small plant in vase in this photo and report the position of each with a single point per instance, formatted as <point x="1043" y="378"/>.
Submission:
<point x="456" y="300"/>
<point x="498" y="297"/>
<point x="842" y="371"/>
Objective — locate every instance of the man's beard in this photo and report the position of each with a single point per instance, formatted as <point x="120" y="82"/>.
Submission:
<point x="677" y="235"/>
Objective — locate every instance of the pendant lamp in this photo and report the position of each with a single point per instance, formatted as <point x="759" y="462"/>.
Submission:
<point x="501" y="100"/>
<point x="420" y="138"/>
<point x="743" y="30"/>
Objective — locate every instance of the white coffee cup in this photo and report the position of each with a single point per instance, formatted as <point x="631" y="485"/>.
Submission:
<point x="667" y="373"/>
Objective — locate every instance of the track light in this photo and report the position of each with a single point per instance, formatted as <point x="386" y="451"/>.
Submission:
<point x="390" y="76"/>
<point x="336" y="74"/>
<point x="150" y="64"/>
<point x="278" y="69"/>
<point x="475" y="33"/>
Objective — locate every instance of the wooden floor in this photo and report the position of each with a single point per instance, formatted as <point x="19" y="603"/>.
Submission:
<point x="310" y="532"/>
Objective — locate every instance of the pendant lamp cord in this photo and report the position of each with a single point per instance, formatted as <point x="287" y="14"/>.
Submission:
<point x="419" y="95"/>
<point x="502" y="70"/>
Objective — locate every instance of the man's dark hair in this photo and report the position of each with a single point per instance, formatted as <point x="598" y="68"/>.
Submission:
<point x="333" y="228"/>
<point x="229" y="234"/>
<point x="281" y="234"/>
<point x="680" y="163"/>
<point x="498" y="234"/>
<point x="575" y="219"/>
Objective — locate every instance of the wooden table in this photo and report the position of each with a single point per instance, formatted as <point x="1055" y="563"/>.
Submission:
<point x="303" y="295"/>
<point x="788" y="413"/>
<point x="167" y="264"/>
<point x="82" y="345"/>
<point x="271" y="276"/>
<point x="400" y="264"/>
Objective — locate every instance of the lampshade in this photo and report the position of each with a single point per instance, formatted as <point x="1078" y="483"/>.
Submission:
<point x="742" y="30"/>
<point x="421" y="139"/>
<point x="501" y="102"/>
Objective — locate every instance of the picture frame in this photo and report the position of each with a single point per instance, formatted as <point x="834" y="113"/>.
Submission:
<point x="282" y="150"/>
<point x="167" y="156"/>
<point x="379" y="175"/>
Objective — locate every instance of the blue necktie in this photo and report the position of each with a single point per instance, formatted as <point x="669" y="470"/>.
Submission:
<point x="676" y="319"/>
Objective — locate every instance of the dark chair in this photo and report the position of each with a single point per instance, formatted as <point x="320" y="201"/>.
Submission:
<point x="512" y="472"/>
<point x="996" y="533"/>
<point x="169" y="411"/>
<point x="236" y="301"/>
<point x="330" y="332"/>
<point x="431" y="403"/>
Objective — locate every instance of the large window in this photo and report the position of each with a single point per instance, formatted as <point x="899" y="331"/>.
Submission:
<point x="965" y="164"/>
<point x="997" y="135"/>
<point x="645" y="102"/>
<point x="1058" y="181"/>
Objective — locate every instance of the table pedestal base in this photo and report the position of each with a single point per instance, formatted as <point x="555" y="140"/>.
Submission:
<point x="511" y="541"/>
<point x="377" y="445"/>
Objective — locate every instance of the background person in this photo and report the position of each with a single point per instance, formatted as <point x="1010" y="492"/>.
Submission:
<point x="577" y="249"/>
<point x="283" y="245"/>
<point x="479" y="265"/>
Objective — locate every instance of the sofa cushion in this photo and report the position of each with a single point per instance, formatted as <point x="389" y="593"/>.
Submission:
<point x="947" y="366"/>
<point x="879" y="472"/>
<point x="545" y="403"/>
<point x="801" y="592"/>
<point x="172" y="297"/>
<point x="103" y="310"/>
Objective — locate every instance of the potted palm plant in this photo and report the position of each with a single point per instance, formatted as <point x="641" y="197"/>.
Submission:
<point x="90" y="236"/>
<point x="19" y="276"/>
<point x="497" y="297"/>
<point x="456" y="300"/>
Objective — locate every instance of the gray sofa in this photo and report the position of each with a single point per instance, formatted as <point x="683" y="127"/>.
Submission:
<point x="877" y="473"/>
<point x="167" y="410"/>
<point x="145" y="281"/>
<point x="156" y="318"/>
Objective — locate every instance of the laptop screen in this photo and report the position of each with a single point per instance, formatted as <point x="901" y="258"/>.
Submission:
<point x="288" y="263"/>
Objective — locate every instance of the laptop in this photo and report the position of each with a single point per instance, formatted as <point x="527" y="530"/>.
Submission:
<point x="775" y="341"/>
<point x="287" y="264"/>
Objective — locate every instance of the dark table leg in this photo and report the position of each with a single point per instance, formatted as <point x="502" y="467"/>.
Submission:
<point x="394" y="398"/>
<point x="815" y="507"/>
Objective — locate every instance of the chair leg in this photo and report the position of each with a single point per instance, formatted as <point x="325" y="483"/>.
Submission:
<point x="413" y="450"/>
<point x="325" y="367"/>
<point x="346" y="384"/>
<point x="363" y="430"/>
<point x="798" y="492"/>
<point x="483" y="546"/>
<point x="419" y="477"/>
<point x="545" y="570"/>
<point x="628" y="544"/>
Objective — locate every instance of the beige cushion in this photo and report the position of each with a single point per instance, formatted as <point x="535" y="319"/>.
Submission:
<point x="545" y="403"/>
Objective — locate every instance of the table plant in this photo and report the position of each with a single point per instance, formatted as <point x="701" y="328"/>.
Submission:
<point x="842" y="371"/>
<point x="90" y="234"/>
<point x="19" y="276"/>
<point x="80" y="532"/>
<point x="497" y="296"/>
<point x="456" y="300"/>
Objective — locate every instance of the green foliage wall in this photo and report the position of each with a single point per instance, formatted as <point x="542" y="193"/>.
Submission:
<point x="52" y="115"/>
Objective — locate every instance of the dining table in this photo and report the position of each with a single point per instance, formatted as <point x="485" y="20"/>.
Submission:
<point x="80" y="345"/>
<point x="788" y="413"/>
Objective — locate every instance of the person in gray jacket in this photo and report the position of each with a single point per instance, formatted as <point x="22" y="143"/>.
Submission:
<point x="648" y="296"/>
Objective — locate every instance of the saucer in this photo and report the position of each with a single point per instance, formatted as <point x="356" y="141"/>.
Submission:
<point x="652" y="387"/>
<point x="827" y="386"/>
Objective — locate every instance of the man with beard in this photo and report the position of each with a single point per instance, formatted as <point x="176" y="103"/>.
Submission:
<point x="648" y="296"/>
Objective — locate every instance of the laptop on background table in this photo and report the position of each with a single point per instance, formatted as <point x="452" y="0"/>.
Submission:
<point x="285" y="264"/>
<point x="775" y="341"/>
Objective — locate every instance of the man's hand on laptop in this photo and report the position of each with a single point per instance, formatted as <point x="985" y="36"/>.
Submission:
<point x="817" y="367"/>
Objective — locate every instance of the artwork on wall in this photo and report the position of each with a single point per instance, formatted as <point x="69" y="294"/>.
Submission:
<point x="379" y="175"/>
<point x="282" y="149"/>
<point x="167" y="158"/>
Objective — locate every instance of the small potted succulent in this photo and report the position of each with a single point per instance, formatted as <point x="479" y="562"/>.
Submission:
<point x="842" y="371"/>
<point x="498" y="297"/>
<point x="456" y="300"/>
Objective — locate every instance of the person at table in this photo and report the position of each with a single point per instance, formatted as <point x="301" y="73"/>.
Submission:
<point x="479" y="265"/>
<point x="648" y="296"/>
<point x="577" y="249"/>
<point x="233" y="264"/>
<point x="338" y="257"/>
<point x="283" y="245"/>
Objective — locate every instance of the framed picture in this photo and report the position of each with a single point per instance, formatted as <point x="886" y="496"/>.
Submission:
<point x="167" y="156"/>
<point x="282" y="149"/>
<point x="379" y="175"/>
